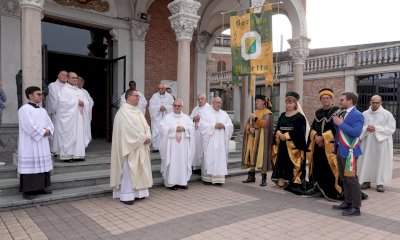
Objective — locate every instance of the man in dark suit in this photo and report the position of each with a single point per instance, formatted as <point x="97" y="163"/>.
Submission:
<point x="347" y="146"/>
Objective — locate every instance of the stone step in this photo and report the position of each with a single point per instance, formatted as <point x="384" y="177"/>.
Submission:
<point x="16" y="201"/>
<point x="10" y="186"/>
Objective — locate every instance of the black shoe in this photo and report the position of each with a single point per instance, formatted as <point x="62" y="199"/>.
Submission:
<point x="28" y="196"/>
<point x="263" y="180"/>
<point x="380" y="188"/>
<point x="251" y="177"/>
<point x="342" y="206"/>
<point x="207" y="183"/>
<point x="184" y="187"/>
<point x="365" y="185"/>
<point x="174" y="188"/>
<point x="219" y="184"/>
<point x="127" y="202"/>
<point x="351" y="212"/>
<point x="70" y="161"/>
<point x="46" y="191"/>
<point x="364" y="196"/>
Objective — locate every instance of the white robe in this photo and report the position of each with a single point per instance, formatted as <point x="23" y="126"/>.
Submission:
<point x="73" y="123"/>
<point x="33" y="149"/>
<point x="142" y="102"/>
<point x="156" y="101"/>
<point x="130" y="168"/>
<point x="51" y="106"/>
<point x="91" y="104"/>
<point x="199" y="152"/>
<point x="216" y="145"/>
<point x="176" y="149"/>
<point x="376" y="163"/>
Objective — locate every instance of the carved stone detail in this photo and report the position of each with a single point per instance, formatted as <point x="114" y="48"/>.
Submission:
<point x="96" y="5"/>
<point x="184" y="18"/>
<point x="298" y="5"/>
<point x="139" y="30"/>
<point x="299" y="50"/>
<point x="8" y="138"/>
<point x="202" y="41"/>
<point x="10" y="7"/>
<point x="38" y="4"/>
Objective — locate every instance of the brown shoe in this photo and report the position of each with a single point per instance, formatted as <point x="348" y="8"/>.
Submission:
<point x="365" y="185"/>
<point x="380" y="188"/>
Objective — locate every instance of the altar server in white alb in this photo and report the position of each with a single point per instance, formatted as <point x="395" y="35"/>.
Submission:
<point x="160" y="105"/>
<point x="176" y="147"/>
<point x="197" y="112"/>
<point x="81" y="83"/>
<point x="376" y="163"/>
<point x="216" y="128"/>
<point x="131" y="175"/>
<point x="52" y="105"/>
<point x="34" y="157"/>
<point x="74" y="121"/>
<point x="142" y="101"/>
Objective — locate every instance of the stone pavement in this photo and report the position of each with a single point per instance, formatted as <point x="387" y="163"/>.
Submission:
<point x="232" y="211"/>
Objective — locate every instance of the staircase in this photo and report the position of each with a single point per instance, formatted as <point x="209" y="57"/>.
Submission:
<point x="83" y="179"/>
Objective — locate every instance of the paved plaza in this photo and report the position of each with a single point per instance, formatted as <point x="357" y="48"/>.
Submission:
<point x="232" y="211"/>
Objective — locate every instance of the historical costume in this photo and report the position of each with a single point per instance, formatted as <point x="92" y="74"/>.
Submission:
<point x="157" y="100"/>
<point x="176" y="149"/>
<point x="257" y="141"/>
<point x="34" y="157"/>
<point x="199" y="151"/>
<point x="323" y="166"/>
<point x="216" y="128"/>
<point x="73" y="123"/>
<point x="131" y="175"/>
<point x="289" y="155"/>
<point x="376" y="163"/>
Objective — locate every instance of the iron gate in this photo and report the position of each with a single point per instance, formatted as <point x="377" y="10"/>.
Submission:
<point x="387" y="86"/>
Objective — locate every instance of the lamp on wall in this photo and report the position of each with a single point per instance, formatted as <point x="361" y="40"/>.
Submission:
<point x="143" y="17"/>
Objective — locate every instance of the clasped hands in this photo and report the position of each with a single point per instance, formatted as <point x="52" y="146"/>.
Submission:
<point x="370" y="128"/>
<point x="219" y="125"/>
<point x="319" y="140"/>
<point x="180" y="129"/>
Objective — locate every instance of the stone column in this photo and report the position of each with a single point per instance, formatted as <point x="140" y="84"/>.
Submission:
<point x="183" y="21"/>
<point x="209" y="70"/>
<point x="200" y="75"/>
<point x="138" y="35"/>
<point x="350" y="84"/>
<point x="31" y="49"/>
<point x="299" y="51"/>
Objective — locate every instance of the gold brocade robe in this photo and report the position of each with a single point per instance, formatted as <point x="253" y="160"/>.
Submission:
<point x="257" y="147"/>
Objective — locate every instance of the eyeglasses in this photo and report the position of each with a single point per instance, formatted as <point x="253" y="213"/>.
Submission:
<point x="175" y="105"/>
<point x="39" y="94"/>
<point x="73" y="77"/>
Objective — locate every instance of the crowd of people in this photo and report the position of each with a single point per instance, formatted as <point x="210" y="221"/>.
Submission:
<point x="342" y="148"/>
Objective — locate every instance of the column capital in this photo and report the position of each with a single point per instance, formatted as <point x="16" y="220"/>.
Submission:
<point x="184" y="18"/>
<point x="139" y="30"/>
<point x="36" y="4"/>
<point x="202" y="41"/>
<point x="299" y="50"/>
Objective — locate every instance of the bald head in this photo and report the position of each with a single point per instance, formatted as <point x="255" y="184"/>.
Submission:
<point x="178" y="104"/>
<point x="162" y="88"/>
<point x="376" y="102"/>
<point x="217" y="103"/>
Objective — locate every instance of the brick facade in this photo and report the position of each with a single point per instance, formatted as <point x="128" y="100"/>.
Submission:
<point x="161" y="54"/>
<point x="227" y="58"/>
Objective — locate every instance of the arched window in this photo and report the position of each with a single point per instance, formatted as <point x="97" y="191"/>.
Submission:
<point x="221" y="67"/>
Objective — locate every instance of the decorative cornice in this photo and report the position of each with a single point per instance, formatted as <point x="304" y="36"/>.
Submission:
<point x="139" y="30"/>
<point x="202" y="41"/>
<point x="96" y="5"/>
<point x="10" y="7"/>
<point x="299" y="50"/>
<point x="37" y="4"/>
<point x="184" y="18"/>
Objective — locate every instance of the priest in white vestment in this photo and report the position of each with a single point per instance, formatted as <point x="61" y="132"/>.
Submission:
<point x="376" y="163"/>
<point x="216" y="128"/>
<point x="81" y="83"/>
<point x="74" y="113"/>
<point x="131" y="175"/>
<point x="197" y="112"/>
<point x="160" y="105"/>
<point x="34" y="156"/>
<point x="142" y="99"/>
<point x="52" y="105"/>
<point x="176" y="147"/>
